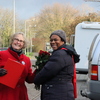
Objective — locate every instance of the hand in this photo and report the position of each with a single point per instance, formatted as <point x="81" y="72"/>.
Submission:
<point x="3" y="71"/>
<point x="37" y="70"/>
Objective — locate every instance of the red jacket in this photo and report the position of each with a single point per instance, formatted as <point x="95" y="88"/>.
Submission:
<point x="20" y="91"/>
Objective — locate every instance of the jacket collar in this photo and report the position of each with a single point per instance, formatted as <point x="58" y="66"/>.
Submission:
<point x="15" y="54"/>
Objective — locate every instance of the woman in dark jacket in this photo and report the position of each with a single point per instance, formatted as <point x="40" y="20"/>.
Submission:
<point x="56" y="75"/>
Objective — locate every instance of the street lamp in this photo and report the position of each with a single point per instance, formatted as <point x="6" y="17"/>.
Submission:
<point x="29" y="26"/>
<point x="13" y="16"/>
<point x="26" y="26"/>
<point x="29" y="34"/>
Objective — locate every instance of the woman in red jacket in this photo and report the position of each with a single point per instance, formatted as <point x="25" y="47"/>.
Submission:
<point x="15" y="52"/>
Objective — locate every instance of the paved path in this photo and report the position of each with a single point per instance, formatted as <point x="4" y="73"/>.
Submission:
<point x="32" y="92"/>
<point x="81" y="85"/>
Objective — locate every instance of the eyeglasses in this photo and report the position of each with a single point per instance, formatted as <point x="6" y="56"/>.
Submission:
<point x="21" y="41"/>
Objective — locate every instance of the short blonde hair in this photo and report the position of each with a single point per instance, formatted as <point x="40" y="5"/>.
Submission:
<point x="18" y="33"/>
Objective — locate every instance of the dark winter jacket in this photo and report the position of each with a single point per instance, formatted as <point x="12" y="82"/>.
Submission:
<point x="56" y="76"/>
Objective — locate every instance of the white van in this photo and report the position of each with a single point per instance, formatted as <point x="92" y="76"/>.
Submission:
<point x="84" y="34"/>
<point x="93" y="83"/>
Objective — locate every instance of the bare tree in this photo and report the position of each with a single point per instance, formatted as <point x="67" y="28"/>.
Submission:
<point x="6" y="26"/>
<point x="55" y="17"/>
<point x="59" y="16"/>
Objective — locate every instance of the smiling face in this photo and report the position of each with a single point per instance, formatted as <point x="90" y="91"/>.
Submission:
<point x="55" y="42"/>
<point x="18" y="42"/>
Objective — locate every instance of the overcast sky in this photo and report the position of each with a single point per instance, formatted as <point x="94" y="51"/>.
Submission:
<point x="28" y="8"/>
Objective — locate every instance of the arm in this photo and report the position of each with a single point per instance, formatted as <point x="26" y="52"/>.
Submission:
<point x="51" y="69"/>
<point x="31" y="74"/>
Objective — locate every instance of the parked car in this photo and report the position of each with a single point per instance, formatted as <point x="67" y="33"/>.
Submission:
<point x="93" y="83"/>
<point x="3" y="48"/>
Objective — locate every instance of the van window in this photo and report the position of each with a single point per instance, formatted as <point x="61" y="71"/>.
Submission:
<point x="72" y="40"/>
<point x="91" y="47"/>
